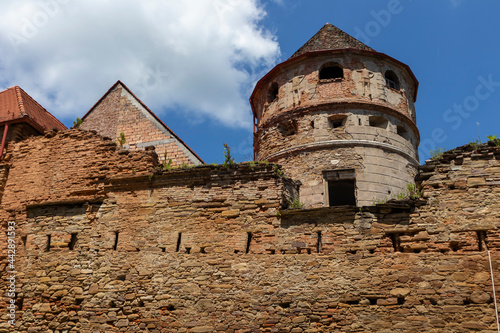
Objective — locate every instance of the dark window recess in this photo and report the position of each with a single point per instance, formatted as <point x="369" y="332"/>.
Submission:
<point x="402" y="131"/>
<point x="249" y="242"/>
<point x="115" y="246"/>
<point x="273" y="92"/>
<point x="392" y="81"/>
<point x="24" y="239"/>
<point x="288" y="128"/>
<point x="380" y="122"/>
<point x="331" y="72"/>
<point x="47" y="248"/>
<point x="341" y="192"/>
<point x="179" y="239"/>
<point x="72" y="242"/>
<point x="337" y="121"/>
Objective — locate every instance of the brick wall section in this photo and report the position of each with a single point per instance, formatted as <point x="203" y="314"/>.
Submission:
<point x="120" y="111"/>
<point x="66" y="166"/>
<point x="116" y="263"/>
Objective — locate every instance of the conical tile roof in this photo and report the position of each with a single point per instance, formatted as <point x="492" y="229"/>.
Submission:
<point x="331" y="38"/>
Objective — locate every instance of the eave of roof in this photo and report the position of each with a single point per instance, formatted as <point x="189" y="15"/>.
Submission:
<point x="23" y="108"/>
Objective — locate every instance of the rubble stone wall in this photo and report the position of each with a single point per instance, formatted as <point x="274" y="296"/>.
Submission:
<point x="133" y="248"/>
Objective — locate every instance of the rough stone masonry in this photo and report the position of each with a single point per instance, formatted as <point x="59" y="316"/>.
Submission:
<point x="110" y="242"/>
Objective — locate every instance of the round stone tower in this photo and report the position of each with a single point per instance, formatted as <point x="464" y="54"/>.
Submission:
<point x="339" y="117"/>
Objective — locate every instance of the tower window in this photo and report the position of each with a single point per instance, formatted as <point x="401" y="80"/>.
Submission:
<point x="401" y="130"/>
<point x="337" y="121"/>
<point x="331" y="72"/>
<point x="392" y="81"/>
<point x="380" y="122"/>
<point x="288" y="128"/>
<point x="341" y="187"/>
<point x="273" y="92"/>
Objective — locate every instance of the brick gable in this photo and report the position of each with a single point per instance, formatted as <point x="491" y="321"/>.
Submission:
<point x="119" y="110"/>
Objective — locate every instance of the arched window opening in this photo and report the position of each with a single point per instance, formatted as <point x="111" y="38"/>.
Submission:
<point x="392" y="81"/>
<point x="273" y="92"/>
<point x="331" y="72"/>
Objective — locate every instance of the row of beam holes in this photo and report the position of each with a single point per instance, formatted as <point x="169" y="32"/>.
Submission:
<point x="373" y="301"/>
<point x="482" y="243"/>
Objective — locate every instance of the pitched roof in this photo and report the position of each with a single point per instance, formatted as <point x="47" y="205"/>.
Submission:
<point x="119" y="83"/>
<point x="331" y="38"/>
<point x="16" y="104"/>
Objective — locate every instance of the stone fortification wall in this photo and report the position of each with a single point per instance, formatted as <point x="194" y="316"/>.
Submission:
<point x="213" y="249"/>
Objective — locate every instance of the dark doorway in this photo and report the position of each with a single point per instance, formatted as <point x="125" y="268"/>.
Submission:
<point x="341" y="192"/>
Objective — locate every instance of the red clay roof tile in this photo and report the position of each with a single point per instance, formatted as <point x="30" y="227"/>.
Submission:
<point x="16" y="104"/>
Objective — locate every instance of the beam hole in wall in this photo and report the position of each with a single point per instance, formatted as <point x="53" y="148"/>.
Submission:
<point x="319" y="242"/>
<point x="373" y="300"/>
<point x="455" y="246"/>
<point x="19" y="303"/>
<point x="401" y="300"/>
<point x="396" y="242"/>
<point x="273" y="92"/>
<point x="392" y="80"/>
<point x="285" y="305"/>
<point x="481" y="240"/>
<point x="72" y="242"/>
<point x="433" y="301"/>
<point x="188" y="250"/>
<point x="331" y="71"/>
<point x="202" y="250"/>
<point x="352" y="302"/>
<point x="115" y="245"/>
<point x="249" y="242"/>
<point x="179" y="239"/>
<point x="47" y="247"/>
<point x="377" y="121"/>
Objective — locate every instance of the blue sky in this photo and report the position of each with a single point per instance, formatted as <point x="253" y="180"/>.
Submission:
<point x="196" y="69"/>
<point x="447" y="44"/>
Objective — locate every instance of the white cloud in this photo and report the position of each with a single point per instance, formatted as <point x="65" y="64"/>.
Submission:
<point x="201" y="56"/>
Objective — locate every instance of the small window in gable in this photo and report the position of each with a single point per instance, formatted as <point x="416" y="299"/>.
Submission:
<point x="380" y="122"/>
<point x="273" y="92"/>
<point x="330" y="71"/>
<point x="392" y="81"/>
<point x="337" y="121"/>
